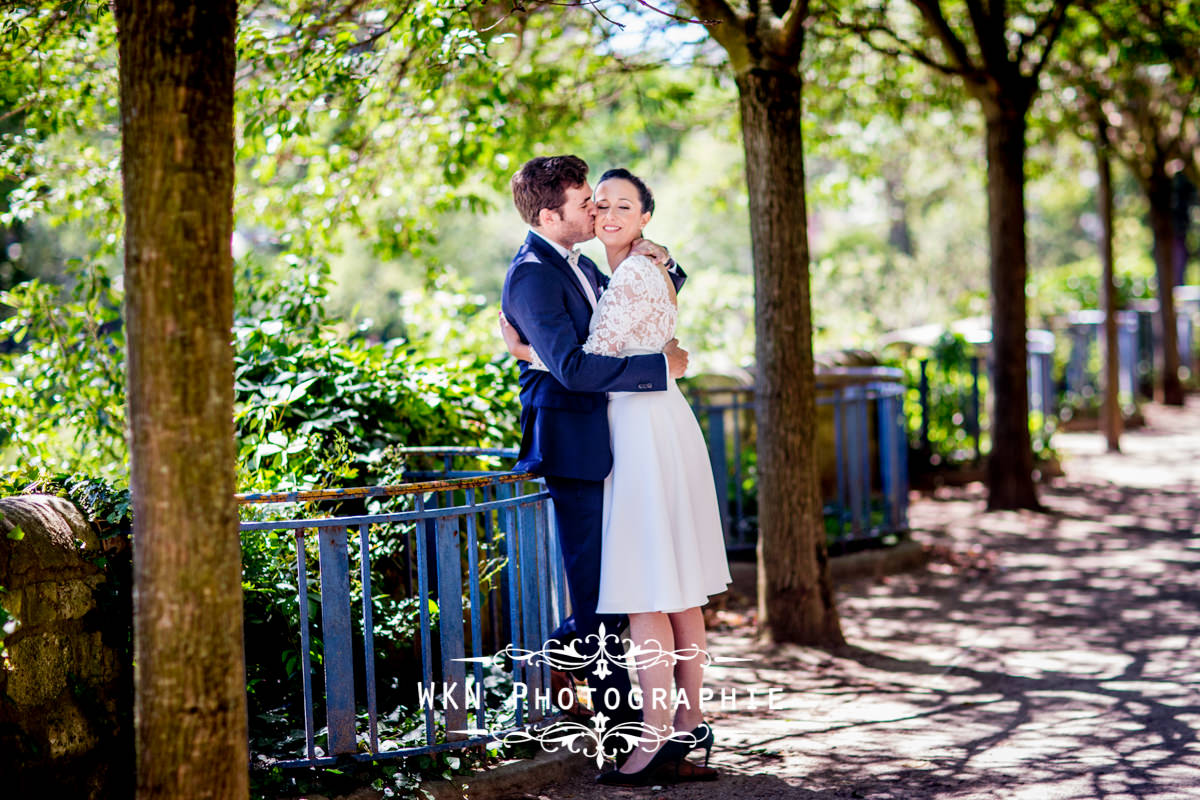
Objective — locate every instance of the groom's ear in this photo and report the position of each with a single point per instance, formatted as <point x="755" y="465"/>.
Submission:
<point x="547" y="216"/>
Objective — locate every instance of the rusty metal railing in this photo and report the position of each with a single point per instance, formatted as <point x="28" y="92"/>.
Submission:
<point x="454" y="525"/>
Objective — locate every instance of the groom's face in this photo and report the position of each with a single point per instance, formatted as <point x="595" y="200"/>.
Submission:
<point x="575" y="222"/>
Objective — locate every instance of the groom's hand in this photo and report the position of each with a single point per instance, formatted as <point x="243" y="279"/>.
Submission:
<point x="677" y="359"/>
<point x="655" y="252"/>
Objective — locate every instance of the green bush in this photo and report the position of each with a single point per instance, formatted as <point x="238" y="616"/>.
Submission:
<point x="62" y="384"/>
<point x="948" y="371"/>
<point x="315" y="406"/>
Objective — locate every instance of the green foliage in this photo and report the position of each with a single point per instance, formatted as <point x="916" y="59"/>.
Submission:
<point x="314" y="409"/>
<point x="62" y="387"/>
<point x="1057" y="291"/>
<point x="949" y="376"/>
<point x="392" y="779"/>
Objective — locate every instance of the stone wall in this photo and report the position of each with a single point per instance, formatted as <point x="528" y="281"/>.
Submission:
<point x="66" y="685"/>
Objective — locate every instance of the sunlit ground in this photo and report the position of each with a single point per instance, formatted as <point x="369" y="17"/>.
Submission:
<point x="1041" y="655"/>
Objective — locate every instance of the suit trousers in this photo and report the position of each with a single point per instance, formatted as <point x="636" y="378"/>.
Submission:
<point x="579" y="514"/>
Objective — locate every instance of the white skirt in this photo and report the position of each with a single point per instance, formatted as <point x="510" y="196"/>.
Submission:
<point x="663" y="545"/>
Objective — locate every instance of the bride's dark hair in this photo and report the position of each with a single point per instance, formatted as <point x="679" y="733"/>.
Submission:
<point x="643" y="190"/>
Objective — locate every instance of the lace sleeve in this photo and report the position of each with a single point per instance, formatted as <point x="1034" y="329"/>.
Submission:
<point x="535" y="361"/>
<point x="625" y="306"/>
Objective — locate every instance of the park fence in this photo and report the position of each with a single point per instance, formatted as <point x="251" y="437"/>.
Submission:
<point x="480" y="556"/>
<point x="862" y="455"/>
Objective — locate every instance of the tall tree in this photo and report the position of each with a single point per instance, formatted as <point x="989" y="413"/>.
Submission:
<point x="177" y="63"/>
<point x="1111" y="419"/>
<point x="764" y="43"/>
<point x="1080" y="95"/>
<point x="1149" y="90"/>
<point x="997" y="50"/>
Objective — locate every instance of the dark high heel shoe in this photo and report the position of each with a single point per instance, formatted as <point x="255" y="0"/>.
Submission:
<point x="703" y="734"/>
<point x="671" y="752"/>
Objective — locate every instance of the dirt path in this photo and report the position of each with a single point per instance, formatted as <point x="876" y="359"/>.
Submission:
<point x="1042" y="655"/>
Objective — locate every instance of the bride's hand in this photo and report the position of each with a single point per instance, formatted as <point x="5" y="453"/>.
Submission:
<point x="655" y="252"/>
<point x="512" y="340"/>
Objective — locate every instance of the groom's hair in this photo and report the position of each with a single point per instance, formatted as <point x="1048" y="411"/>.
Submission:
<point x="543" y="182"/>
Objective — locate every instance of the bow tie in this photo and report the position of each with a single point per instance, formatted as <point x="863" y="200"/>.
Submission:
<point x="573" y="258"/>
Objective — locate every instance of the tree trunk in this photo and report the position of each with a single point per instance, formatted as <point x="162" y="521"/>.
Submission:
<point x="1010" y="465"/>
<point x="899" y="233"/>
<point x="1169" y="389"/>
<point x="1110" y="406"/>
<point x="1183" y="198"/>
<point x="177" y="64"/>
<point x="795" y="593"/>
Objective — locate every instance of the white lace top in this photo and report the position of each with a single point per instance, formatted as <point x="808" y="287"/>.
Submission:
<point x="636" y="313"/>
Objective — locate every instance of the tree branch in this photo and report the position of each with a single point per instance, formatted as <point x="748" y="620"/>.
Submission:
<point x="728" y="28"/>
<point x="791" y="32"/>
<point x="985" y="34"/>
<point x="677" y="17"/>
<point x="718" y="12"/>
<point x="902" y="48"/>
<point x="1055" y="20"/>
<point x="931" y="10"/>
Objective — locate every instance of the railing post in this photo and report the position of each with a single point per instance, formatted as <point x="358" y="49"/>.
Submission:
<point x="530" y="627"/>
<point x="364" y="556"/>
<point x="924" y="392"/>
<point x="1048" y="397"/>
<point x="1077" y="363"/>
<point x="305" y="643"/>
<point x="450" y="628"/>
<point x="558" y="571"/>
<point x="1127" y="347"/>
<point x="1183" y="339"/>
<point x="717" y="456"/>
<point x="544" y="591"/>
<point x="512" y="540"/>
<point x="476" y="605"/>
<point x="336" y="635"/>
<point x="423" y="612"/>
<point x="840" y="456"/>
<point x="856" y="444"/>
<point x="893" y="447"/>
<point x="974" y="414"/>
<point x="736" y="521"/>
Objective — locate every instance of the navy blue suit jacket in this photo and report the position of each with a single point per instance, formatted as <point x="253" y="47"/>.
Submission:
<point x="564" y="412"/>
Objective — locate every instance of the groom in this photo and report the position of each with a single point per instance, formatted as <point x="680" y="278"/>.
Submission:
<point x="550" y="293"/>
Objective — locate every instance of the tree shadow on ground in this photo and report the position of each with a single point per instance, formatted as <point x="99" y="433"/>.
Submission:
<point x="1085" y="657"/>
<point x="1049" y="654"/>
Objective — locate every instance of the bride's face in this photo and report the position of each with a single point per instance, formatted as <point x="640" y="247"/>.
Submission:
<point x="619" y="217"/>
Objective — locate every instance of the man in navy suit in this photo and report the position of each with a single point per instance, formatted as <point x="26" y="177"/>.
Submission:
<point x="549" y="295"/>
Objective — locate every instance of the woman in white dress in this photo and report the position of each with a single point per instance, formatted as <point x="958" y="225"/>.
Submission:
<point x="663" y="551"/>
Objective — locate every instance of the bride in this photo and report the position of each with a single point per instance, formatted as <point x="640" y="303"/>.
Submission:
<point x="663" y="551"/>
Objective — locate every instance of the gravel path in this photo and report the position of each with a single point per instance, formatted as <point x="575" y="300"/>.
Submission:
<point x="1041" y="655"/>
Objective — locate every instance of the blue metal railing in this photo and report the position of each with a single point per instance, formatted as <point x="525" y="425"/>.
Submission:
<point x="1039" y="385"/>
<point x="453" y="526"/>
<point x="1085" y="331"/>
<point x="867" y="490"/>
<point x="1138" y="340"/>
